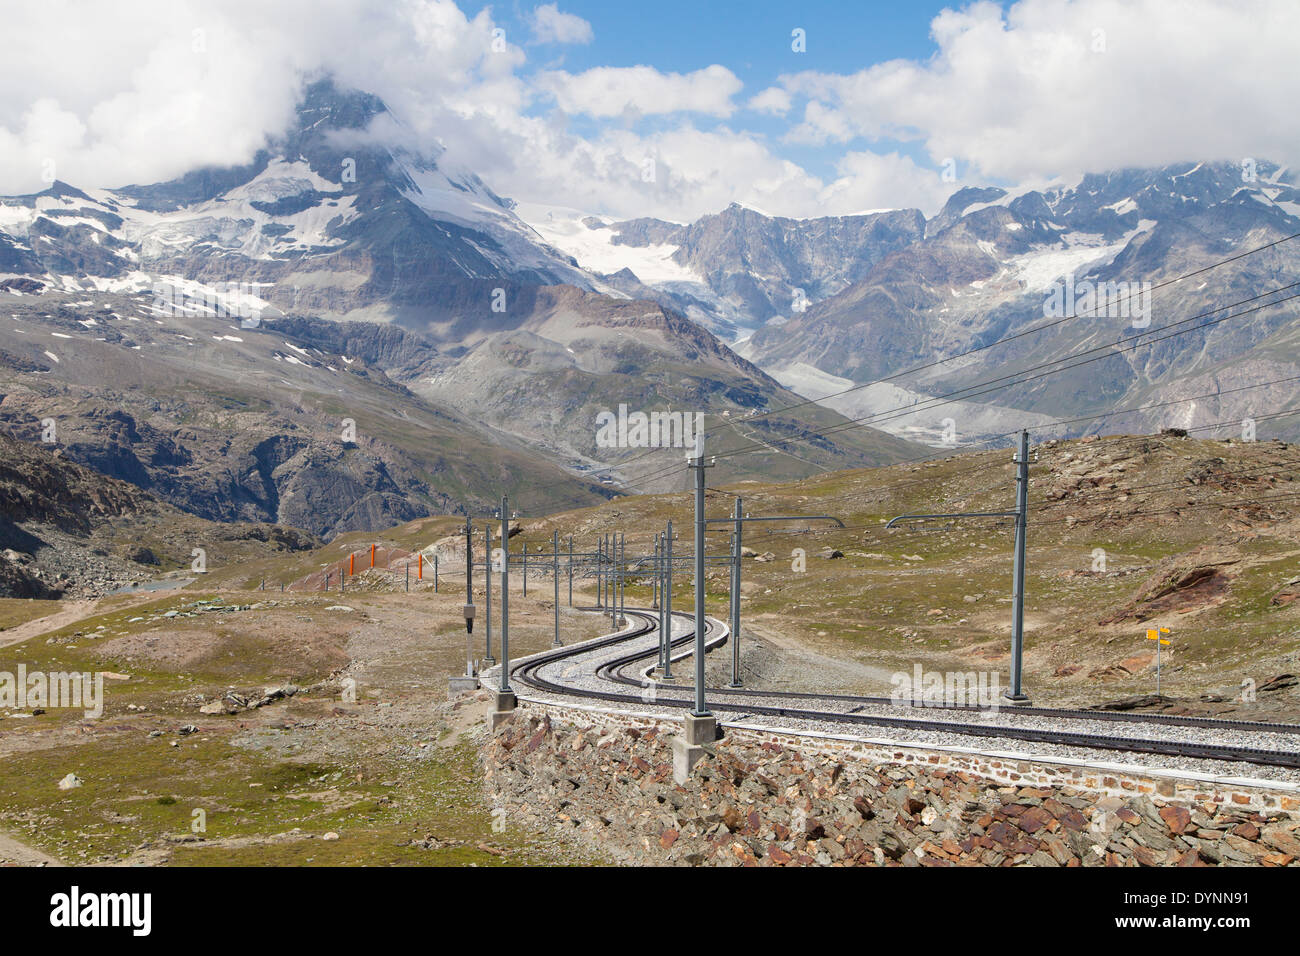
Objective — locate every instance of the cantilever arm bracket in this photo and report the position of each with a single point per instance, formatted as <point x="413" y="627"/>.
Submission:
<point x="746" y="519"/>
<point x="956" y="514"/>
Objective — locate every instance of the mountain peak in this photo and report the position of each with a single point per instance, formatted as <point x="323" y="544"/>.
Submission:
<point x="324" y="104"/>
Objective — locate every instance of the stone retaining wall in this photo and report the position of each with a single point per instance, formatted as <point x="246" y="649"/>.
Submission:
<point x="763" y="798"/>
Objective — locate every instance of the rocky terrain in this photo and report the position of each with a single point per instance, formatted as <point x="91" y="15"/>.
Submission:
<point x="579" y="354"/>
<point x="990" y="263"/>
<point x="254" y="424"/>
<point x="761" y="803"/>
<point x="747" y="266"/>
<point x="68" y="531"/>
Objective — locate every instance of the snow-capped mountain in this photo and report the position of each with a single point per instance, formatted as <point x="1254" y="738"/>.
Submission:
<point x="731" y="271"/>
<point x="837" y="301"/>
<point x="325" y="221"/>
<point x="379" y="285"/>
<point x="518" y="324"/>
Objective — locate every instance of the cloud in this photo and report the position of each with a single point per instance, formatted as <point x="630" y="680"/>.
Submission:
<point x="772" y="100"/>
<point x="1045" y="88"/>
<point x="607" y="91"/>
<point x="178" y="84"/>
<point x="550" y="25"/>
<point x="1052" y="87"/>
<point x="822" y="124"/>
<point x="693" y="172"/>
<point x="869" y="181"/>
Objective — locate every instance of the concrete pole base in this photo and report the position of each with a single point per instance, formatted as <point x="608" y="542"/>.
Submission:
<point x="685" y="757"/>
<point x="698" y="735"/>
<point x="461" y="685"/>
<point x="1020" y="699"/>
<point x="487" y="662"/>
<point x="700" y="730"/>
<point x="506" y="702"/>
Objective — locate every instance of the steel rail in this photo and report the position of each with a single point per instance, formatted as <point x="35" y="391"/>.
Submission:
<point x="527" y="672"/>
<point x="1172" y="720"/>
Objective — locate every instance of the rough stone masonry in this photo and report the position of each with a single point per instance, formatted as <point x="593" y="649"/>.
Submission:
<point x="760" y="800"/>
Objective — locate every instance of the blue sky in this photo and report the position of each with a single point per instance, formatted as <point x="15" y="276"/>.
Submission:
<point x="753" y="40"/>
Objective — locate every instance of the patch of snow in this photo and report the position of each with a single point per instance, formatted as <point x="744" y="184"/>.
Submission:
<point x="132" y="282"/>
<point x="282" y="179"/>
<point x="1078" y="254"/>
<point x="595" y="250"/>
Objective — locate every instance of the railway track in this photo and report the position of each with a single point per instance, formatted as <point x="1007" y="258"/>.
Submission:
<point x="612" y="684"/>
<point x="1173" y="720"/>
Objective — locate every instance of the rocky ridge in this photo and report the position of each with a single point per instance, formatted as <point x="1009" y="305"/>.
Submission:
<point x="68" y="530"/>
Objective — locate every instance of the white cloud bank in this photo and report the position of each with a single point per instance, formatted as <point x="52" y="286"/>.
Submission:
<point x="616" y="91"/>
<point x="109" y="94"/>
<point x="1055" y="87"/>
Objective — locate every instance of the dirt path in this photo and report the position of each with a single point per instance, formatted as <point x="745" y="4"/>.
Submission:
<point x="74" y="611"/>
<point x="13" y="852"/>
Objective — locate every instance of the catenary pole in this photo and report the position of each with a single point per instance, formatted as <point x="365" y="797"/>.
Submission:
<point x="668" y="603"/>
<point x="505" y="597"/>
<point x="488" y="659"/>
<point x="735" y="599"/>
<point x="1016" y="692"/>
<point x="555" y="580"/>
<point x="700" y="709"/>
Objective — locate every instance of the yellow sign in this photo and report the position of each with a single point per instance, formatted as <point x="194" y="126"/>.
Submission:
<point x="1153" y="634"/>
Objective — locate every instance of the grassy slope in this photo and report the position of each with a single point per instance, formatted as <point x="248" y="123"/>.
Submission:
<point x="385" y="771"/>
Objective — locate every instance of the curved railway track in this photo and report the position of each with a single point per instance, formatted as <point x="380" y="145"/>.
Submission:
<point x="618" y="675"/>
<point x="610" y="673"/>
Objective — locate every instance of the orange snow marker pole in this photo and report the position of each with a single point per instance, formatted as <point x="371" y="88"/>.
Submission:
<point x="372" y="555"/>
<point x="420" y="577"/>
<point x="352" y="563"/>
